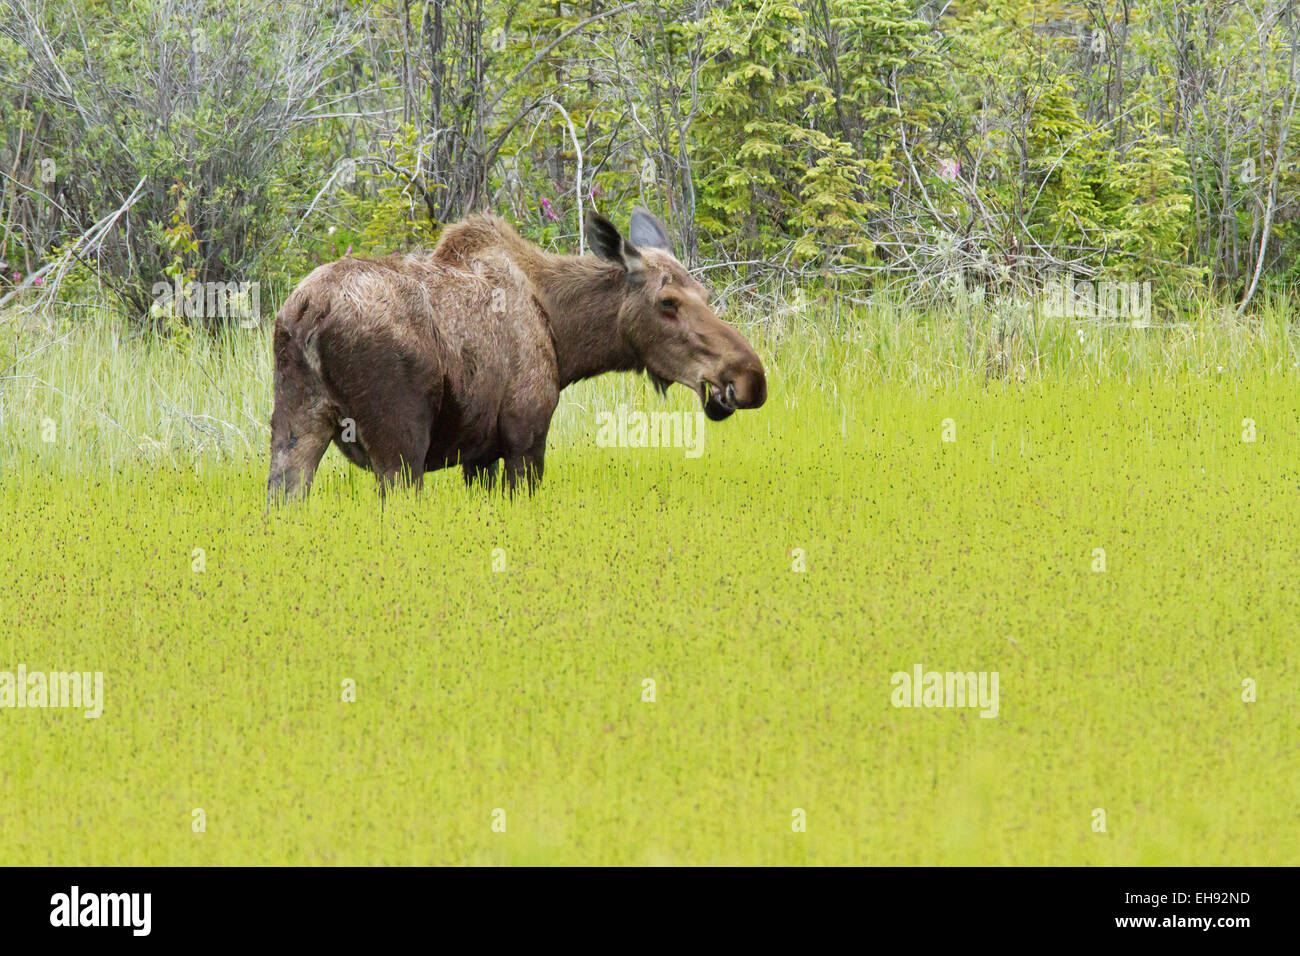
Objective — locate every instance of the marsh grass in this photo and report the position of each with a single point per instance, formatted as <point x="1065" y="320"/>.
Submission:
<point x="522" y="688"/>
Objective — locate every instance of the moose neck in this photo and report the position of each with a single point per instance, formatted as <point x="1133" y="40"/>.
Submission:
<point x="582" y="296"/>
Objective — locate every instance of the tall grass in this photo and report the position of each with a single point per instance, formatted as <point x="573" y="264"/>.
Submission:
<point x="769" y="589"/>
<point x="87" y="395"/>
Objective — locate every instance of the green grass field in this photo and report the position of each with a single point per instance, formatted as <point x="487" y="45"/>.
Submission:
<point x="500" y="648"/>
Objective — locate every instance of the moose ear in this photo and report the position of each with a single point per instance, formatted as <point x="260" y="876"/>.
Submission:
<point x="648" y="230"/>
<point x="608" y="243"/>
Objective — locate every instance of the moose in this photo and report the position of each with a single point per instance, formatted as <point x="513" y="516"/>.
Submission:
<point x="421" y="361"/>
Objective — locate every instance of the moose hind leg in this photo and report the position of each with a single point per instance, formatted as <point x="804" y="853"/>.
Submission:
<point x="527" y="468"/>
<point x="396" y="441"/>
<point x="483" y="472"/>
<point x="400" y="463"/>
<point x="302" y="423"/>
<point x="390" y="396"/>
<point x="297" y="443"/>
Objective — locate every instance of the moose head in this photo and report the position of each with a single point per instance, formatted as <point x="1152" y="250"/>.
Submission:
<point x="667" y="320"/>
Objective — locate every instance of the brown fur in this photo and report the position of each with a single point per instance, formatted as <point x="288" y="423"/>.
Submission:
<point x="416" y="362"/>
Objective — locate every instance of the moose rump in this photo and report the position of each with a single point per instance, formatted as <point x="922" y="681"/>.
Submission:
<point x="360" y="361"/>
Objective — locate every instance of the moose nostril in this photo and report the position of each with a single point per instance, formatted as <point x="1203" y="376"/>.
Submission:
<point x="731" y="394"/>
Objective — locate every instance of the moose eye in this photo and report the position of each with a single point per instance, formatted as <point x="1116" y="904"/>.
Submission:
<point x="668" y="305"/>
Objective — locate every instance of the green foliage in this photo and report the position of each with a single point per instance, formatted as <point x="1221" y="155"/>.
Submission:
<point x="189" y="112"/>
<point x="388" y="208"/>
<point x="801" y="131"/>
<point x="878" y="139"/>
